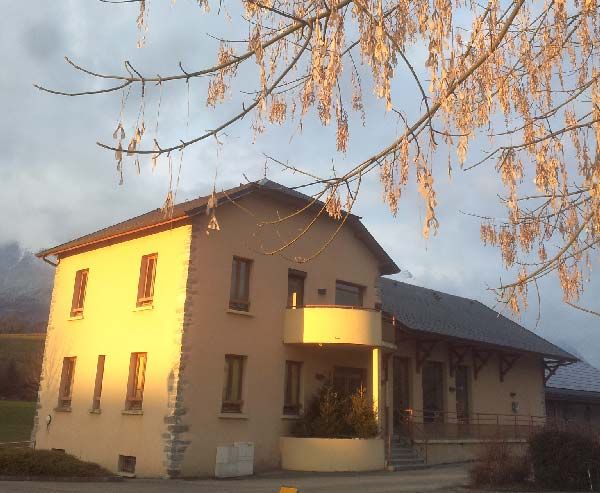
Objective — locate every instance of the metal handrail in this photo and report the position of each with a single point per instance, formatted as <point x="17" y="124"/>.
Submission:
<point x="421" y="412"/>
<point x="448" y="424"/>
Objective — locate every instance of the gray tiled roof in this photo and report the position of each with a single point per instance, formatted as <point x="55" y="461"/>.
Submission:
<point x="434" y="312"/>
<point x="579" y="376"/>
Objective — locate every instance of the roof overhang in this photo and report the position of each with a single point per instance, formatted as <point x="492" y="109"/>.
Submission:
<point x="459" y="341"/>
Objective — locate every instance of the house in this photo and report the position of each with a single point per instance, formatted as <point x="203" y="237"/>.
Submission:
<point x="173" y="339"/>
<point x="573" y="395"/>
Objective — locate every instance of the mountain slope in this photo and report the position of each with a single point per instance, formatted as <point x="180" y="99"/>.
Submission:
<point x="25" y="290"/>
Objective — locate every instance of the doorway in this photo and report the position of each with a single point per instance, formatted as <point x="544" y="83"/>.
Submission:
<point x="433" y="391"/>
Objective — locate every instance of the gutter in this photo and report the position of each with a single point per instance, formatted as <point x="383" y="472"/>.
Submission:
<point x="45" y="253"/>
<point x="186" y="215"/>
<point x="45" y="259"/>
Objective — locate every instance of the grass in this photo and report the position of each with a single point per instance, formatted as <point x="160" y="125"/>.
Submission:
<point x="20" y="346"/>
<point x="16" y="420"/>
<point x="25" y="462"/>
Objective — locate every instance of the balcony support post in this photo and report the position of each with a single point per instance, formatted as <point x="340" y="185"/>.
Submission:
<point x="376" y="382"/>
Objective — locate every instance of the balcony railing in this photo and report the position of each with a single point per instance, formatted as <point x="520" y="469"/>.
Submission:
<point x="334" y="324"/>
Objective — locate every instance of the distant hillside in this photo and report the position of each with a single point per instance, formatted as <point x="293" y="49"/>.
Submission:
<point x="20" y="365"/>
<point x="25" y="290"/>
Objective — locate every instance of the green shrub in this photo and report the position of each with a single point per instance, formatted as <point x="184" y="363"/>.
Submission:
<point x="361" y="416"/>
<point x="562" y="459"/>
<point x="332" y="414"/>
<point x="47" y="463"/>
<point x="329" y="419"/>
<point x="497" y="465"/>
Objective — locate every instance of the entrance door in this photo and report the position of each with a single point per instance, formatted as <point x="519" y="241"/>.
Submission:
<point x="401" y="390"/>
<point x="433" y="391"/>
<point x="462" y="394"/>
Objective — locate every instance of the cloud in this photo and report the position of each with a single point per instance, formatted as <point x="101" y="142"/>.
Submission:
<point x="57" y="184"/>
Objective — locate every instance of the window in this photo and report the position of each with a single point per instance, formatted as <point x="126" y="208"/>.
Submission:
<point x="291" y="391"/>
<point x="81" y="277"/>
<point x="135" y="385"/>
<point x="239" y="296"/>
<point x="127" y="464"/>
<point x="295" y="288"/>
<point x="146" y="283"/>
<point x="462" y="394"/>
<point x="232" y="385"/>
<point x="347" y="294"/>
<point x="66" y="383"/>
<point x="98" y="384"/>
<point x="432" y="381"/>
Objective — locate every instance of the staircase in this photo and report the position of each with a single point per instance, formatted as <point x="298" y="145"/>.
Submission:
<point x="403" y="456"/>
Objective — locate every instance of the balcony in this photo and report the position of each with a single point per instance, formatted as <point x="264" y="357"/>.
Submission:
<point x="335" y="325"/>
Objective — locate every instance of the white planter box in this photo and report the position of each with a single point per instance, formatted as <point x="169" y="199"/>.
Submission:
<point x="332" y="454"/>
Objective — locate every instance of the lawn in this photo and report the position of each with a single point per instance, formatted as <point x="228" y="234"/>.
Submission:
<point x="26" y="463"/>
<point x="20" y="346"/>
<point x="16" y="420"/>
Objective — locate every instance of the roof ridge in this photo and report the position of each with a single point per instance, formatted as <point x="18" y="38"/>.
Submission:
<point x="184" y="210"/>
<point x="433" y="290"/>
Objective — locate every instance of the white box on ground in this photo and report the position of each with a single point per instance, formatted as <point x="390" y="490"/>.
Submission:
<point x="235" y="460"/>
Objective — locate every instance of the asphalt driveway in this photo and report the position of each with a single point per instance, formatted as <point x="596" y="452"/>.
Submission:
<point x="442" y="478"/>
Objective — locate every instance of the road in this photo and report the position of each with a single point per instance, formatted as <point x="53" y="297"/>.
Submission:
<point x="443" y="478"/>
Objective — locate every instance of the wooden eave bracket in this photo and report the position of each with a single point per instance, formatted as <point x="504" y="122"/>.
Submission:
<point x="480" y="359"/>
<point x="423" y="351"/>
<point x="551" y="367"/>
<point x="505" y="363"/>
<point x="456" y="355"/>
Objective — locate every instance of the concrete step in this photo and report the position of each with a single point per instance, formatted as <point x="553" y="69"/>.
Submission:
<point x="401" y="449"/>
<point x="406" y="459"/>
<point x="404" y="453"/>
<point x="410" y="467"/>
<point x="403" y="456"/>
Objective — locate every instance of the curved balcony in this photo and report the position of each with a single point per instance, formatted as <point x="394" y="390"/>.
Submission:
<point x="333" y="325"/>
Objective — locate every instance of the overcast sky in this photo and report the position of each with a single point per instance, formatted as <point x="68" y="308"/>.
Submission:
<point x="56" y="183"/>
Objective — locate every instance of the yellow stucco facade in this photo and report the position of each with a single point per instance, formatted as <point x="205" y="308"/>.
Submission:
<point x="190" y="328"/>
<point x="113" y="326"/>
